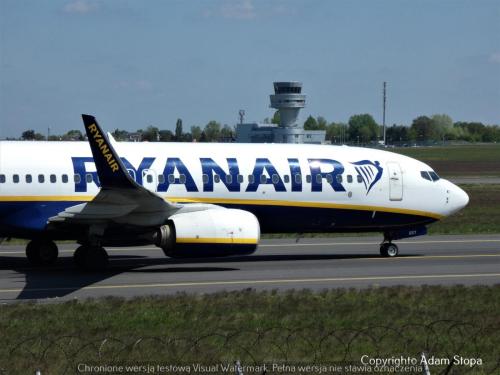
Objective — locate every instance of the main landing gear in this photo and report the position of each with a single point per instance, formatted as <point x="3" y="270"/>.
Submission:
<point x="387" y="248"/>
<point x="42" y="252"/>
<point x="91" y="258"/>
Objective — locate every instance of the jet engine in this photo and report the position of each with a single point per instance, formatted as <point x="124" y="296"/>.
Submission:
<point x="210" y="233"/>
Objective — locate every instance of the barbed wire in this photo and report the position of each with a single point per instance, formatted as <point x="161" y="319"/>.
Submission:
<point x="279" y="344"/>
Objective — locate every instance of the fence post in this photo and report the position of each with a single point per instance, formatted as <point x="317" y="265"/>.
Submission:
<point x="426" y="367"/>
<point x="238" y="368"/>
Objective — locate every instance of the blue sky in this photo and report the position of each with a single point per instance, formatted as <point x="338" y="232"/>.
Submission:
<point x="140" y="63"/>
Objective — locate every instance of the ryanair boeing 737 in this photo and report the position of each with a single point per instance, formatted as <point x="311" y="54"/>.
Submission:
<point x="208" y="199"/>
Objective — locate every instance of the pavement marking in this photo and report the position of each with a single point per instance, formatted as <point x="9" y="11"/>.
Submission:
<point x="139" y="248"/>
<point x="376" y="243"/>
<point x="253" y="282"/>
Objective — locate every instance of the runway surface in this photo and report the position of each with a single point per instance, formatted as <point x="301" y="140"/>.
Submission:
<point x="316" y="264"/>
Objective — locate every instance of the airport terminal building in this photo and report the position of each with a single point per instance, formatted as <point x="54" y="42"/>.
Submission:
<point x="288" y="100"/>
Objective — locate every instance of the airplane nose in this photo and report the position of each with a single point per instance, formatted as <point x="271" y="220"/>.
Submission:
<point x="459" y="198"/>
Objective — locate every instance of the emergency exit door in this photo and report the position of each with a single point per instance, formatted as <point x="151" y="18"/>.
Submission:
<point x="395" y="181"/>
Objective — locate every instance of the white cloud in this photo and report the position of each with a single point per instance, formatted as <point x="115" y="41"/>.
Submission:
<point x="495" y="58"/>
<point x="80" y="7"/>
<point x="238" y="9"/>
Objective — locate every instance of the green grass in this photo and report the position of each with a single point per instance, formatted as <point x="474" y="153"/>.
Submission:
<point x="255" y="327"/>
<point x="482" y="215"/>
<point x="470" y="160"/>
<point x="477" y="153"/>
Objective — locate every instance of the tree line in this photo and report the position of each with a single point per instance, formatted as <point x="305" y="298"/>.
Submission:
<point x="360" y="129"/>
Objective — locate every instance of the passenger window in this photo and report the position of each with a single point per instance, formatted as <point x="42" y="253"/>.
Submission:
<point x="41" y="178"/>
<point x="15" y="178"/>
<point x="204" y="178"/>
<point x="2" y="179"/>
<point x="88" y="177"/>
<point x="182" y="178"/>
<point x="171" y="179"/>
<point x="251" y="179"/>
<point x="229" y="179"/>
<point x="329" y="178"/>
<point x="434" y="176"/>
<point x="286" y="178"/>
<point x="263" y="179"/>
<point x="28" y="178"/>
<point x="240" y="178"/>
<point x="77" y="178"/>
<point x="64" y="178"/>
<point x="275" y="179"/>
<point x="308" y="178"/>
<point x="161" y="178"/>
<point x="349" y="178"/>
<point x="425" y="175"/>
<point x="53" y="178"/>
<point x="216" y="178"/>
<point x="298" y="179"/>
<point x="149" y="179"/>
<point x="359" y="178"/>
<point x="339" y="178"/>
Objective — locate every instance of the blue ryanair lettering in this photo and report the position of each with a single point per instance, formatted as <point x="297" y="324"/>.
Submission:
<point x="210" y="167"/>
<point x="295" y="171"/>
<point x="337" y="169"/>
<point x="171" y="166"/>
<point x="261" y="165"/>
<point x="79" y="168"/>
<point x="137" y="173"/>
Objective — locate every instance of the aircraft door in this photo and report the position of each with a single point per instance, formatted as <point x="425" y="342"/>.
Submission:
<point x="395" y="181"/>
<point x="149" y="179"/>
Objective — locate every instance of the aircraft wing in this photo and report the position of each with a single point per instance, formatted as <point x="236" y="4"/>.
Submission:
<point x="121" y="199"/>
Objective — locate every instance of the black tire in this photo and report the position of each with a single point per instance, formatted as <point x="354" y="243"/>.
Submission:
<point x="79" y="256"/>
<point x="42" y="253"/>
<point x="392" y="250"/>
<point x="383" y="250"/>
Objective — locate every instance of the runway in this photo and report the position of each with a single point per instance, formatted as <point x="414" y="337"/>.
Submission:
<point x="312" y="263"/>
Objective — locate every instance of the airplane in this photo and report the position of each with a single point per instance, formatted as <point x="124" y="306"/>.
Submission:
<point x="208" y="199"/>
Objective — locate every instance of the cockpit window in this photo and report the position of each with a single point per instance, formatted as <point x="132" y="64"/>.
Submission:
<point x="434" y="176"/>
<point x="425" y="175"/>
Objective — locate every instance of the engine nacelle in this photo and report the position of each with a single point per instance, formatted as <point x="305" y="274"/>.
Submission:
<point x="209" y="233"/>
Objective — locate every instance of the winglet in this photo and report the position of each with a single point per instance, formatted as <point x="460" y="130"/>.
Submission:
<point x="110" y="169"/>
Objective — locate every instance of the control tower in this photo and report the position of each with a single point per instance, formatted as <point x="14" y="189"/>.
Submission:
<point x="288" y="100"/>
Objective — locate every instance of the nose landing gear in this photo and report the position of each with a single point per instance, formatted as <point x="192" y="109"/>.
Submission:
<point x="387" y="248"/>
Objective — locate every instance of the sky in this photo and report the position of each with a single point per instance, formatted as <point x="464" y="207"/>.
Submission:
<point x="138" y="63"/>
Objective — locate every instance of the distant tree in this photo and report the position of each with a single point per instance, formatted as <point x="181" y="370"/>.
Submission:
<point x="187" y="137"/>
<point x="423" y="128"/>
<point x="226" y="134"/>
<point x="28" y="135"/>
<point x="203" y="137"/>
<point x="310" y="124"/>
<point x="166" y="136"/>
<point x="212" y="131"/>
<point x="121" y="135"/>
<point x="322" y="123"/>
<point x="276" y="118"/>
<point x="178" y="130"/>
<point x="151" y="134"/>
<point x="443" y="126"/>
<point x="196" y="133"/>
<point x="363" y="128"/>
<point x="73" y="135"/>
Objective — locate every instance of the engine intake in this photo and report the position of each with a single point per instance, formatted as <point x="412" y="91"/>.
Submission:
<point x="211" y="233"/>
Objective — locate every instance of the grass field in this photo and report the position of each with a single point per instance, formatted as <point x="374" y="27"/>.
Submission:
<point x="469" y="160"/>
<point x="334" y="326"/>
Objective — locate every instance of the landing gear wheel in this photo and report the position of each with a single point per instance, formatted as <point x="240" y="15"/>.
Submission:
<point x="389" y="250"/>
<point x="91" y="258"/>
<point x="42" y="252"/>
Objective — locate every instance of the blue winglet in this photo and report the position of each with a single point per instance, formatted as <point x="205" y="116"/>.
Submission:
<point x="110" y="169"/>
